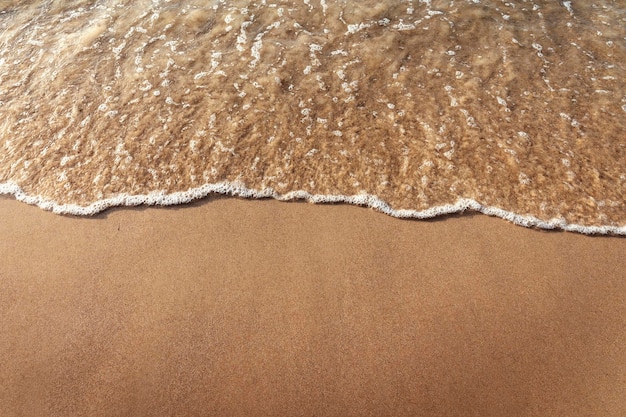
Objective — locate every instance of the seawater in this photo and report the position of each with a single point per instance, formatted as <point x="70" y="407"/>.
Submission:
<point x="416" y="108"/>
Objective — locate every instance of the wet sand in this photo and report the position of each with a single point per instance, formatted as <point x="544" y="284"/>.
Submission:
<point x="235" y="307"/>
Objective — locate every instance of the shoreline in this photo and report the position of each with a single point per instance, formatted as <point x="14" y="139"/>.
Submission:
<point x="236" y="189"/>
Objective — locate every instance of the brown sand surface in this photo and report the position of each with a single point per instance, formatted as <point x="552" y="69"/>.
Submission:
<point x="232" y="307"/>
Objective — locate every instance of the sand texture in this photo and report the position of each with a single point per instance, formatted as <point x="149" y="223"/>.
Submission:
<point x="232" y="307"/>
<point x="513" y="108"/>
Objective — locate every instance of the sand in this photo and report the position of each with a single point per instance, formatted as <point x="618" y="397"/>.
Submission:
<point x="232" y="307"/>
<point x="236" y="307"/>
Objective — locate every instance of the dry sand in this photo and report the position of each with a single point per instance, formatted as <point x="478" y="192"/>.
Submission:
<point x="232" y="307"/>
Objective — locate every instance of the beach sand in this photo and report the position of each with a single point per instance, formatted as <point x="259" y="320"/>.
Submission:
<point x="237" y="307"/>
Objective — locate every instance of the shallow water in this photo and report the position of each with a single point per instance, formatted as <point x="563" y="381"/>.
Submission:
<point x="412" y="105"/>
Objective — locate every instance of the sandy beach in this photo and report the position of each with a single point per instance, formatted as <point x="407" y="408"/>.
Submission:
<point x="237" y="307"/>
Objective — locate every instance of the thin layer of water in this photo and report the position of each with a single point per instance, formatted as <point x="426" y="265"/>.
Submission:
<point x="515" y="105"/>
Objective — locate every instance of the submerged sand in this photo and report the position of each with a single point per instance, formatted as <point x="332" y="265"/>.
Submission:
<point x="416" y="108"/>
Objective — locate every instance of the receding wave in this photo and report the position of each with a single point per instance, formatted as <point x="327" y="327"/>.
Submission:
<point x="415" y="108"/>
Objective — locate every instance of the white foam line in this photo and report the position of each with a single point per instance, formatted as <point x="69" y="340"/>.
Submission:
<point x="238" y="189"/>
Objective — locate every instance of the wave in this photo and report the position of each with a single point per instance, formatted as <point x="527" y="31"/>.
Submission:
<point x="238" y="189"/>
<point x="414" y="111"/>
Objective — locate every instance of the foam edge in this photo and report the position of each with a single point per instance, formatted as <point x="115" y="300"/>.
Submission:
<point x="235" y="188"/>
